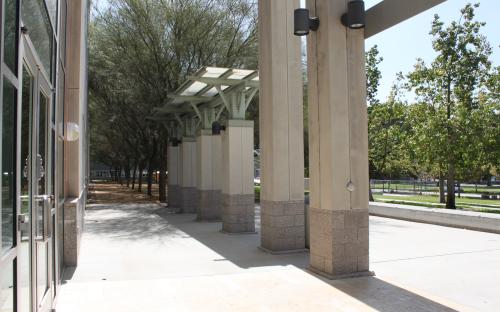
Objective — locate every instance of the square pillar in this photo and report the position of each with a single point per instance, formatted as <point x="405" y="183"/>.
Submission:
<point x="173" y="187"/>
<point x="281" y="129"/>
<point x="209" y="158"/>
<point x="338" y="144"/>
<point x="238" y="197"/>
<point x="188" y="192"/>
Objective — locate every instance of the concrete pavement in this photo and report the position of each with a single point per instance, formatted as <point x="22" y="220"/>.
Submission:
<point x="137" y="257"/>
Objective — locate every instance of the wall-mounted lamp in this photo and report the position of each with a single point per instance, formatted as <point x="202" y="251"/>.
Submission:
<point x="216" y="128"/>
<point x="175" y="142"/>
<point x="72" y="132"/>
<point x="303" y="22"/>
<point x="355" y="16"/>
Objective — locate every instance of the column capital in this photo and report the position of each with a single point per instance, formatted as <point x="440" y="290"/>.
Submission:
<point x="239" y="123"/>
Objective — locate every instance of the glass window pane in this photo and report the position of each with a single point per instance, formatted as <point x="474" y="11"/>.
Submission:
<point x="42" y="144"/>
<point x="8" y="165"/>
<point x="7" y="289"/>
<point x="24" y="248"/>
<point x="62" y="32"/>
<point x="36" y="19"/>
<point x="52" y="7"/>
<point x="60" y="133"/>
<point x="10" y="42"/>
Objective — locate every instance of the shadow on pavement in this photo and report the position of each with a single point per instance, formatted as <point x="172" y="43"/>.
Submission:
<point x="384" y="296"/>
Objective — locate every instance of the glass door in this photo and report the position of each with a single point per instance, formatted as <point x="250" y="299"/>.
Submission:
<point x="36" y="228"/>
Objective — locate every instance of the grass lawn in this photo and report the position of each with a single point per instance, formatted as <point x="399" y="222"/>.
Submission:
<point x="473" y="204"/>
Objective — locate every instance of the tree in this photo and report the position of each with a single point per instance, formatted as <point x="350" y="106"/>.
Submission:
<point x="140" y="51"/>
<point x="388" y="132"/>
<point x="448" y="92"/>
<point x="373" y="74"/>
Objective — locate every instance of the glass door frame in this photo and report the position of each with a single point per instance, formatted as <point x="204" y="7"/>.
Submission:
<point x="41" y="84"/>
<point x="9" y="75"/>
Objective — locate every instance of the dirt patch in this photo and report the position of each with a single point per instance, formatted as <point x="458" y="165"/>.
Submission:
<point x="109" y="192"/>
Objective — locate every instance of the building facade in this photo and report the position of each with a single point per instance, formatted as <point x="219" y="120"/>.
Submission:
<point x="43" y="147"/>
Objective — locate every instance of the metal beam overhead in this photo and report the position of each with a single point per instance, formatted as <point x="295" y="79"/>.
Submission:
<point x="388" y="13"/>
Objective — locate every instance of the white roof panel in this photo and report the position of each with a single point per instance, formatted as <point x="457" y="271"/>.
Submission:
<point x="194" y="88"/>
<point x="214" y="72"/>
<point x="240" y="73"/>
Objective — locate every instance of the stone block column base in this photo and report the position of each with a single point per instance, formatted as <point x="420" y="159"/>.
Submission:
<point x="339" y="242"/>
<point x="209" y="205"/>
<point x="238" y="213"/>
<point x="282" y="226"/>
<point x="174" y="196"/>
<point x="73" y="229"/>
<point x="189" y="199"/>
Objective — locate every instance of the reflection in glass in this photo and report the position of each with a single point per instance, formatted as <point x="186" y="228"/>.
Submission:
<point x="42" y="274"/>
<point x="7" y="289"/>
<point x="26" y="117"/>
<point x="10" y="42"/>
<point x="36" y="19"/>
<point x="60" y="134"/>
<point x="52" y="7"/>
<point x="24" y="248"/>
<point x="42" y="143"/>
<point x="7" y="208"/>
<point x="62" y="32"/>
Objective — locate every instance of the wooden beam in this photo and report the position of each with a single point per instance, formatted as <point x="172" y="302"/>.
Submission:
<point x="223" y="97"/>
<point x="228" y="73"/>
<point x="190" y="98"/>
<point x="227" y="82"/>
<point x="216" y="81"/>
<point x="388" y="13"/>
<point x="196" y="110"/>
<point x="250" y="97"/>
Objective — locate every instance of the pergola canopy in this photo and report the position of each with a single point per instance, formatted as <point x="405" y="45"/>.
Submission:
<point x="211" y="90"/>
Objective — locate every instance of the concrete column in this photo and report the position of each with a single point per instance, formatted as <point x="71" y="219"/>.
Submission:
<point x="281" y="128"/>
<point x="188" y="190"/>
<point x="209" y="158"/>
<point x="238" y="198"/>
<point x="173" y="175"/>
<point x="338" y="144"/>
<point x="75" y="108"/>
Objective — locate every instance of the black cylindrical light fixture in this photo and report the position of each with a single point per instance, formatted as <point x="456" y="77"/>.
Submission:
<point x="355" y="16"/>
<point x="303" y="22"/>
<point x="216" y="128"/>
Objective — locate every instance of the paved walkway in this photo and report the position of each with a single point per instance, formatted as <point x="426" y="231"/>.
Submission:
<point x="136" y="257"/>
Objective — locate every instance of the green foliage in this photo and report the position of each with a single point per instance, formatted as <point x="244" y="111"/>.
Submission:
<point x="388" y="133"/>
<point x="449" y="121"/>
<point x="452" y="130"/>
<point x="140" y="51"/>
<point x="373" y="74"/>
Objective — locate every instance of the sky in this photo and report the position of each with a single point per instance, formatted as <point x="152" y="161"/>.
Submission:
<point x="402" y="44"/>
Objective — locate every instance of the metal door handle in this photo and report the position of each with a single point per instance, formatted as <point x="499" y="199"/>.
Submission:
<point x="46" y="211"/>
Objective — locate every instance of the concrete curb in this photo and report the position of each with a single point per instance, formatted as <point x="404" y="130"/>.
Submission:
<point x="478" y="221"/>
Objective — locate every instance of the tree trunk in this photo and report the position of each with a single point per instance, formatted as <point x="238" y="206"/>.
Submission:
<point x="119" y="172"/>
<point x="370" y="194"/>
<point x="139" y="186"/>
<point x="450" y="198"/>
<point x="442" y="199"/>
<point x="134" y="174"/>
<point x="127" y="173"/>
<point x="162" y="178"/>
<point x="150" y="178"/>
